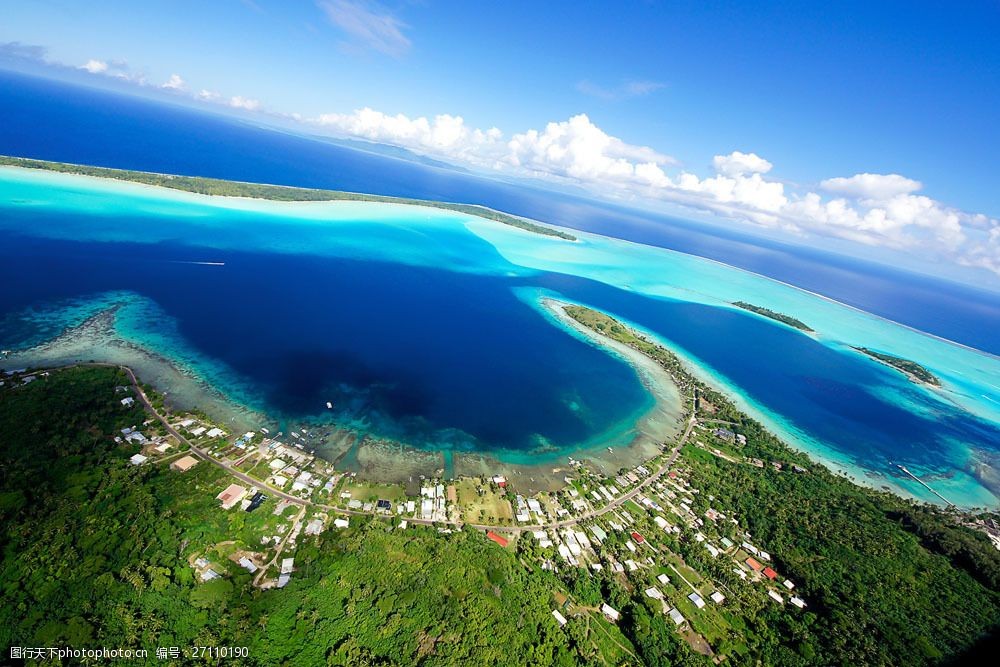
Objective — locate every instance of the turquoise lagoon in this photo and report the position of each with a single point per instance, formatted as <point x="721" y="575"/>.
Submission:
<point x="426" y="326"/>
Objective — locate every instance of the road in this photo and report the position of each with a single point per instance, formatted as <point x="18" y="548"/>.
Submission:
<point x="278" y="493"/>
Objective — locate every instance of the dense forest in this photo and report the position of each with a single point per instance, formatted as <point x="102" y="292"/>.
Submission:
<point x="224" y="188"/>
<point x="97" y="552"/>
<point x="891" y="582"/>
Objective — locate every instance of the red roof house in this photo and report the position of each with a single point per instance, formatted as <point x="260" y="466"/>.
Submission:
<point x="639" y="539"/>
<point x="769" y="573"/>
<point x="496" y="538"/>
<point x="754" y="565"/>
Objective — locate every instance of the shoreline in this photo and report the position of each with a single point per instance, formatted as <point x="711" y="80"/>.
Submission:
<point x="372" y="458"/>
<point x="359" y="197"/>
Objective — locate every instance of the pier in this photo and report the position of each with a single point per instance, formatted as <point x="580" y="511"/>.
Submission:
<point x="927" y="486"/>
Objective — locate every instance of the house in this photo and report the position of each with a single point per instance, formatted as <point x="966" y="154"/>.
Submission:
<point x="163" y="447"/>
<point x="208" y="575"/>
<point x="675" y="616"/>
<point x="560" y="619"/>
<point x="128" y="402"/>
<point x="611" y="614"/>
<point x="717" y="597"/>
<point x="283" y="580"/>
<point x="787" y="583"/>
<point x="639" y="539"/>
<point x="287" y="565"/>
<point x="216" y="433"/>
<point x="798" y="602"/>
<point x="724" y="434"/>
<point x="233" y="494"/>
<point x="314" y="527"/>
<point x="341" y="523"/>
<point x="770" y="574"/>
<point x="599" y="533"/>
<point x="197" y="431"/>
<point x="383" y="506"/>
<point x="663" y="579"/>
<point x="184" y="464"/>
<point x="696" y="600"/>
<point x="754" y="565"/>
<point x="496" y="538"/>
<point x="248" y="565"/>
<point x="138" y="459"/>
<point x="654" y="593"/>
<point x="774" y="596"/>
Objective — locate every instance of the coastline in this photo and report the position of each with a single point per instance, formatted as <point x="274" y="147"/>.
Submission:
<point x="370" y="457"/>
<point x="358" y="197"/>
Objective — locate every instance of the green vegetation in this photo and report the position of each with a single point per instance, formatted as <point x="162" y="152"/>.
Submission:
<point x="96" y="552"/>
<point x="780" y="317"/>
<point x="888" y="581"/>
<point x="912" y="369"/>
<point x="223" y="188"/>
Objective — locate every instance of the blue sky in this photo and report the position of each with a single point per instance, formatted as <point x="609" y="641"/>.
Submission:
<point x="728" y="102"/>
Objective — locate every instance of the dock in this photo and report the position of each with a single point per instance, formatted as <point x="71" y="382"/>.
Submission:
<point x="926" y="486"/>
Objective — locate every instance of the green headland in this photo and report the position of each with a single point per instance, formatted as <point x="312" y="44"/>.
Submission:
<point x="780" y="317"/>
<point x="911" y="369"/>
<point x="225" y="188"/>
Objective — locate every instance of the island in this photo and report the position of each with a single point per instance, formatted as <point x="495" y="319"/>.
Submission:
<point x="128" y="523"/>
<point x="911" y="369"/>
<point x="779" y="317"/>
<point x="226" y="188"/>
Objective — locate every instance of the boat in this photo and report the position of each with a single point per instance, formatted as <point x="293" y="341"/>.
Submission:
<point x="329" y="405"/>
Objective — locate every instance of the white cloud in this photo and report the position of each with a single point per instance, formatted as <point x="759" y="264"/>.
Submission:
<point x="245" y="103"/>
<point x="872" y="186"/>
<point x="578" y="149"/>
<point x="368" y="25"/>
<point x="873" y="209"/>
<point x="95" y="66"/>
<point x="884" y="210"/>
<point x="175" y="82"/>
<point x="624" y="91"/>
<point x="445" y="135"/>
<point x="737" y="163"/>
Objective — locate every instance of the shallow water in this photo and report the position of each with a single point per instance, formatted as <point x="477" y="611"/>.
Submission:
<point x="425" y="326"/>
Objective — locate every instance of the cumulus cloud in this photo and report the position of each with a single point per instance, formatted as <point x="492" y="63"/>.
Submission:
<point x="175" y="82"/>
<point x="367" y="25"/>
<point x="626" y="90"/>
<point x="578" y="149"/>
<point x="737" y="163"/>
<point x="245" y="103"/>
<point x="95" y="66"/>
<point x="874" y="209"/>
<point x="444" y="135"/>
<point x="872" y="186"/>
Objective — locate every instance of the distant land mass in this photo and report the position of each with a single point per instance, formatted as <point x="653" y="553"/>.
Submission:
<point x="779" y="317"/>
<point x="912" y="369"/>
<point x="225" y="188"/>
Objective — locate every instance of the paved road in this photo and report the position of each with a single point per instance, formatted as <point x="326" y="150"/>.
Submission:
<point x="243" y="477"/>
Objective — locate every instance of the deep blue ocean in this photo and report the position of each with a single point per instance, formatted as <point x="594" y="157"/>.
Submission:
<point x="57" y="121"/>
<point x="449" y="358"/>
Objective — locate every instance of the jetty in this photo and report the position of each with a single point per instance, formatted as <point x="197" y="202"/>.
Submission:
<point x="926" y="485"/>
